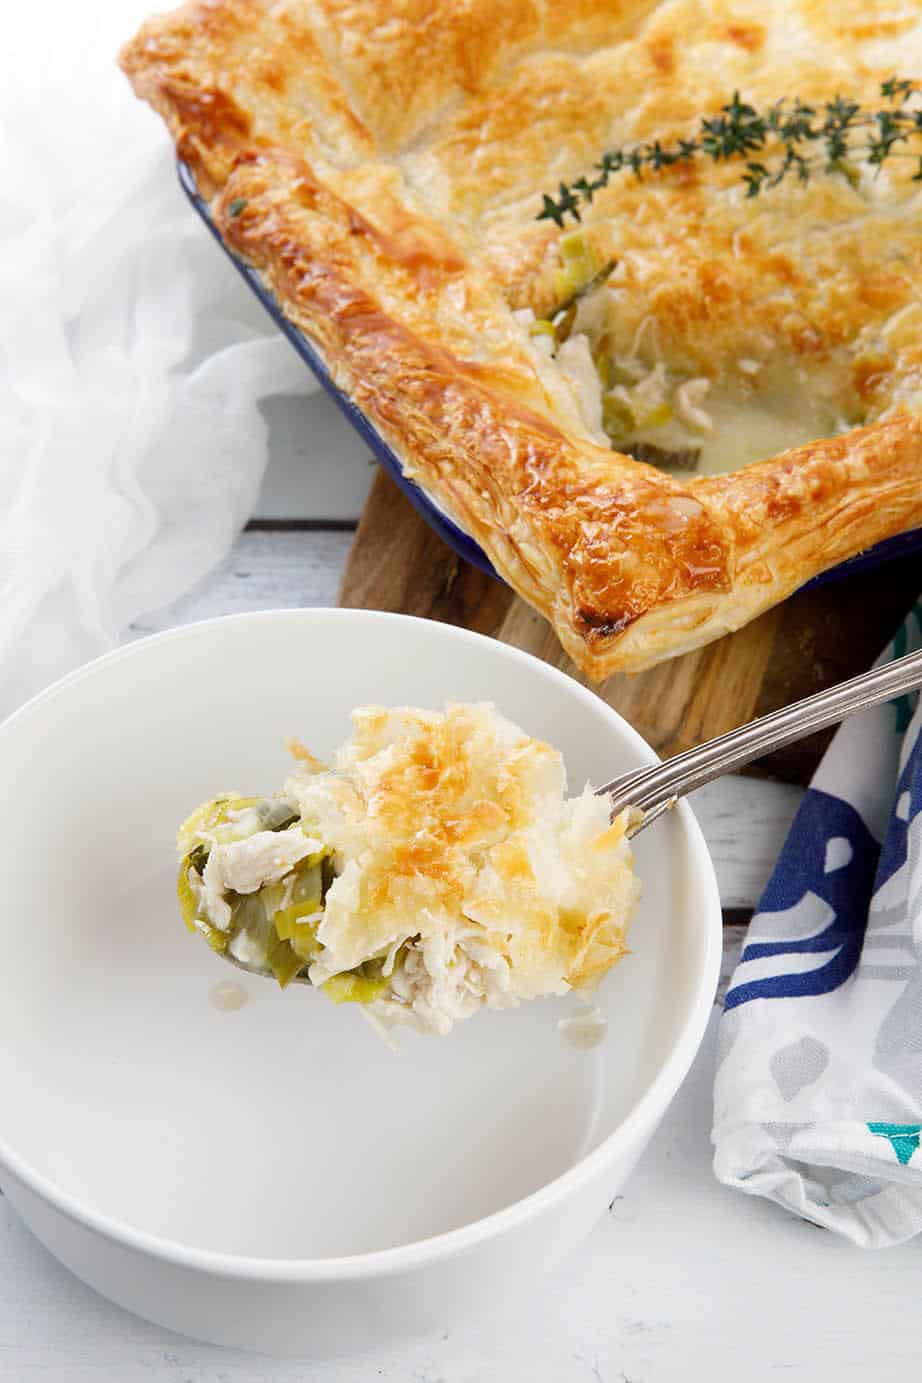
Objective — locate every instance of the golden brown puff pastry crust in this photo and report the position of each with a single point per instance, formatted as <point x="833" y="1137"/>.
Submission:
<point x="390" y="156"/>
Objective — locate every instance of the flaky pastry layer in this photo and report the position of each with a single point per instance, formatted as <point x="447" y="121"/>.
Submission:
<point x="381" y="163"/>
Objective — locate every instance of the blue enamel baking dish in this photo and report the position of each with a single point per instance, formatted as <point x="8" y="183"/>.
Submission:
<point x="456" y="538"/>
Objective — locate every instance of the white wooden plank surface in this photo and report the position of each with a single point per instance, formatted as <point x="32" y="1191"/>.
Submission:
<point x="263" y="571"/>
<point x="319" y="468"/>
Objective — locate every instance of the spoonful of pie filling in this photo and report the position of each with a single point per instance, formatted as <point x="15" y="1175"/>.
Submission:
<point x="436" y="868"/>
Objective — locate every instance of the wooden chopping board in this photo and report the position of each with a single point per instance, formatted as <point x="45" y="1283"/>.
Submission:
<point x="816" y="638"/>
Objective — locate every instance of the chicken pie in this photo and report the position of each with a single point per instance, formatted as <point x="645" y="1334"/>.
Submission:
<point x="657" y="423"/>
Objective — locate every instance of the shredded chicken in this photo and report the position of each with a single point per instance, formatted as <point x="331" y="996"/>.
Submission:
<point x="245" y="865"/>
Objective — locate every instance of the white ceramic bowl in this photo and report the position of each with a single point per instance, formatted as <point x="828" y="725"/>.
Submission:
<point x="275" y="1177"/>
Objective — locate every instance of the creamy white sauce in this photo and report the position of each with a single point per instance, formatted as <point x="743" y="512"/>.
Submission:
<point x="228" y="996"/>
<point x="733" y="423"/>
<point x="586" y="1029"/>
<point x="750" y="410"/>
<point x="755" y="428"/>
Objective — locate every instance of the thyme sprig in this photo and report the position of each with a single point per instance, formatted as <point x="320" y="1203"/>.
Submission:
<point x="792" y="138"/>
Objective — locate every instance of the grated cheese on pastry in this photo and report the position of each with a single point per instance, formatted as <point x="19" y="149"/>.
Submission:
<point x="437" y="868"/>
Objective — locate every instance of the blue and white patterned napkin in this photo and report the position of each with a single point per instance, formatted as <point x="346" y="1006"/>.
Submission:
<point x="818" y="1094"/>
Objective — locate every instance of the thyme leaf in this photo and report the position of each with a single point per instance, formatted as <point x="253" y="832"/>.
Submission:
<point x="792" y="138"/>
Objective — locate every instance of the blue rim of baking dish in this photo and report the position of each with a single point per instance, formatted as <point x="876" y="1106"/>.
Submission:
<point x="449" y="532"/>
<point x="456" y="538"/>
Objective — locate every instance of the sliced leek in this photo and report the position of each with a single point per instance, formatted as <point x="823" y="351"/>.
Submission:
<point x="350" y="988"/>
<point x="582" y="270"/>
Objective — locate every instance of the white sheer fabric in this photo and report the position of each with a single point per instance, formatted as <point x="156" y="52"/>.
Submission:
<point x="132" y="359"/>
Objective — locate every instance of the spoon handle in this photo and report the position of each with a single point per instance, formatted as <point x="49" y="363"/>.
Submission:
<point x="655" y="788"/>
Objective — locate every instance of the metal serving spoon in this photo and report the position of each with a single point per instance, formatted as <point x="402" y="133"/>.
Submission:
<point x="653" y="790"/>
<point x="656" y="788"/>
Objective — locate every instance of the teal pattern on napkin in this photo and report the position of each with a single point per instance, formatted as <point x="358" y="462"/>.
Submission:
<point x="904" y="1137"/>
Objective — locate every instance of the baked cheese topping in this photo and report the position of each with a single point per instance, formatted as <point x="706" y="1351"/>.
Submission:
<point x="436" y="868"/>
